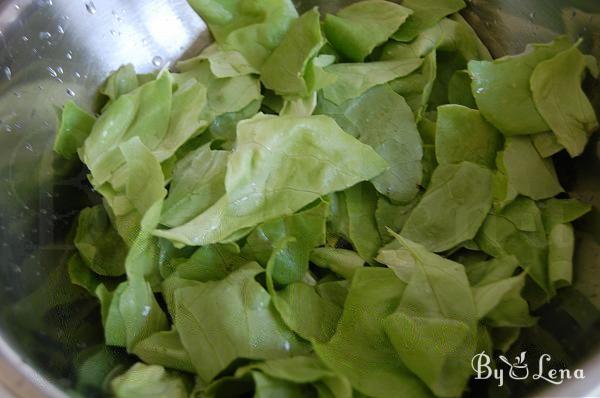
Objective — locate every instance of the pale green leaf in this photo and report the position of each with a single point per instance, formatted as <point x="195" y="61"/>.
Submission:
<point x="253" y="28"/>
<point x="244" y="324"/>
<point x="558" y="96"/>
<point x="356" y="30"/>
<point x="342" y="262"/>
<point x="464" y="136"/>
<point x="426" y="13"/>
<point x="453" y="208"/>
<point x="434" y="327"/>
<point x="165" y="349"/>
<point x="198" y="182"/>
<point x="304" y="230"/>
<point x="263" y="182"/>
<point x="285" y="70"/>
<point x="502" y="88"/>
<point x="527" y="172"/>
<point x="149" y="381"/>
<point x="142" y="114"/>
<point x="360" y="349"/>
<point x="123" y="81"/>
<point x="561" y="248"/>
<point x="100" y="246"/>
<point x="518" y="230"/>
<point x="74" y="127"/>
<point x="352" y="80"/>
<point x="562" y="211"/>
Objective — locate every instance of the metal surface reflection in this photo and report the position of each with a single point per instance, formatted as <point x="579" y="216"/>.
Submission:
<point x="55" y="50"/>
<point x="52" y="51"/>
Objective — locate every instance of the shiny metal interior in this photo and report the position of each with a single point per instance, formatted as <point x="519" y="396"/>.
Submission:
<point x="55" y="50"/>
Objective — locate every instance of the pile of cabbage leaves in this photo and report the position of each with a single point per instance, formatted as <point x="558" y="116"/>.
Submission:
<point x="348" y="205"/>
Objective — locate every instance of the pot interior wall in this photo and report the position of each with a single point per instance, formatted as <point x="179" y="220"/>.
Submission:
<point x="54" y="51"/>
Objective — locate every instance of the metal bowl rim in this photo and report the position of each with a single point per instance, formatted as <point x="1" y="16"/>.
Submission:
<point x="28" y="373"/>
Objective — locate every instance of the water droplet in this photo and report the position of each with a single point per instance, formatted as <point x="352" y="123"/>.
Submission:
<point x="117" y="16"/>
<point x="113" y="32"/>
<point x="45" y="35"/>
<point x="77" y="75"/>
<point x="532" y="16"/>
<point x="287" y="346"/>
<point x="7" y="73"/>
<point x="52" y="72"/>
<point x="60" y="70"/>
<point x="30" y="149"/>
<point x="60" y="30"/>
<point x="17" y="94"/>
<point x="69" y="54"/>
<point x="480" y="90"/>
<point x="146" y="310"/>
<point x="25" y="38"/>
<point x="157" y="61"/>
<point x="81" y="345"/>
<point x="90" y="7"/>
<point x="70" y="92"/>
<point x="17" y="7"/>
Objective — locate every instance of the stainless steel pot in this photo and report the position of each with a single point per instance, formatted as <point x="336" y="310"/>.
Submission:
<point x="55" y="50"/>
